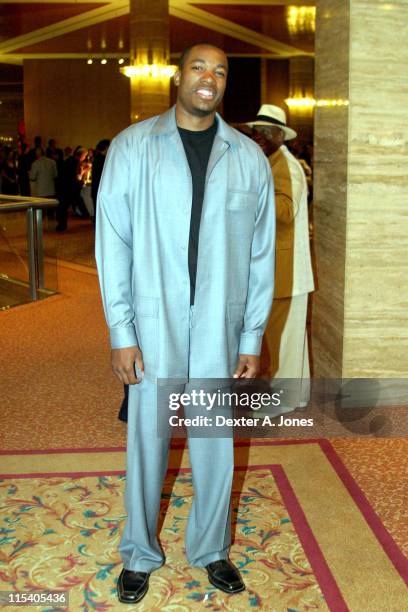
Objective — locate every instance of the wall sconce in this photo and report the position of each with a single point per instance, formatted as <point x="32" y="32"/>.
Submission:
<point x="335" y="102"/>
<point x="301" y="102"/>
<point x="310" y="103"/>
<point x="155" y="71"/>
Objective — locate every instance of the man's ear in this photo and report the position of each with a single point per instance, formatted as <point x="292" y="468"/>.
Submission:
<point x="176" y="78"/>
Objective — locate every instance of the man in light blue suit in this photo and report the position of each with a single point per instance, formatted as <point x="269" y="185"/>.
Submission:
<point x="185" y="252"/>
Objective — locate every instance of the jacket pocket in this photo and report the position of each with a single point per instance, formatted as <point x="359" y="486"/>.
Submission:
<point x="147" y="328"/>
<point x="241" y="200"/>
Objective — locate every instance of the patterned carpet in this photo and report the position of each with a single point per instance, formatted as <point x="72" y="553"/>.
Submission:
<point x="305" y="536"/>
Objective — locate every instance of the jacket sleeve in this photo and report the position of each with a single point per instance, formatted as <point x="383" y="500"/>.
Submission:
<point x="287" y="205"/>
<point x="113" y="248"/>
<point x="262" y="266"/>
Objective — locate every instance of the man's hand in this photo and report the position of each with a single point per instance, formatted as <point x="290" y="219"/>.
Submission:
<point x="123" y="364"/>
<point x="248" y="366"/>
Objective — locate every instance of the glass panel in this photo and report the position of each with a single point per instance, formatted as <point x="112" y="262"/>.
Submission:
<point x="14" y="261"/>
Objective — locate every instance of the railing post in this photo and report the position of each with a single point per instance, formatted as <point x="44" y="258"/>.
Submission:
<point x="32" y="259"/>
<point x="40" y="247"/>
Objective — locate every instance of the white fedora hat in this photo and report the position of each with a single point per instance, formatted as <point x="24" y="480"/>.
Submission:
<point x="271" y="115"/>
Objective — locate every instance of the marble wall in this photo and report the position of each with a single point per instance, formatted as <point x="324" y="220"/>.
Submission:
<point x="330" y="186"/>
<point x="376" y="312"/>
<point x="360" y="322"/>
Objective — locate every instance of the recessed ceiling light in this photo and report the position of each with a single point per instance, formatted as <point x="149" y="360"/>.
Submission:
<point x="89" y="61"/>
<point x="104" y="61"/>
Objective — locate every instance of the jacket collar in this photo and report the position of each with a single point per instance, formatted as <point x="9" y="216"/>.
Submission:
<point x="275" y="157"/>
<point x="166" y="124"/>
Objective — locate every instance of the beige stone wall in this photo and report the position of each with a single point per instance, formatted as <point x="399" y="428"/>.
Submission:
<point x="330" y="187"/>
<point x="376" y="304"/>
<point x="360" y="323"/>
<point x="73" y="102"/>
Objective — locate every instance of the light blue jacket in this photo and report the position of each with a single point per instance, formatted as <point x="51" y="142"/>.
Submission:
<point x="142" y="235"/>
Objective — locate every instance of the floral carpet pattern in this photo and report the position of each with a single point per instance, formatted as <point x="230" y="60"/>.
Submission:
<point x="65" y="538"/>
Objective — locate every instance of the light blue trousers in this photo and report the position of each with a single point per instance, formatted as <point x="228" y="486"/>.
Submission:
<point x="208" y="535"/>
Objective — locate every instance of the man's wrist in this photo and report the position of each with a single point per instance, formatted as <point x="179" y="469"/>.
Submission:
<point x="123" y="337"/>
<point x="250" y="344"/>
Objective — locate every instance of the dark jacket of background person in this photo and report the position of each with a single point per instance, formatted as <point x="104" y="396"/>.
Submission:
<point x="70" y="188"/>
<point x="71" y="183"/>
<point x="32" y="155"/>
<point x="23" y="171"/>
<point x="9" y="182"/>
<point x="97" y="167"/>
<point x="57" y="154"/>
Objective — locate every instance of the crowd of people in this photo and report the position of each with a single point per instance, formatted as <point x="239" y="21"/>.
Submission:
<point x="71" y="176"/>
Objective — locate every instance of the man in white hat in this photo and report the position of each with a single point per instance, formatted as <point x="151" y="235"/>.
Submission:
<point x="285" y="350"/>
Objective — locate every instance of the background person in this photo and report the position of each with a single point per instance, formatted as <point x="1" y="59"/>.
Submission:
<point x="71" y="188"/>
<point x="285" y="352"/>
<point x="9" y="180"/>
<point x="43" y="175"/>
<point x="97" y="168"/>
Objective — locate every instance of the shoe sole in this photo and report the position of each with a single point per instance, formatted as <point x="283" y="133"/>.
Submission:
<point x="217" y="586"/>
<point x="129" y="603"/>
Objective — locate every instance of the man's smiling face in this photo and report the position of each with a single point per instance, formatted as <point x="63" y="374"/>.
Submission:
<point x="202" y="79"/>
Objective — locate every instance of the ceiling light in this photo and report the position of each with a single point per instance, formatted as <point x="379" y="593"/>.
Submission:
<point x="121" y="61"/>
<point x="149" y="70"/>
<point x="301" y="19"/>
<point x="104" y="61"/>
<point x="90" y="61"/>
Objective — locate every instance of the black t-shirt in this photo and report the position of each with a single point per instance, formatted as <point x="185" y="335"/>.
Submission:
<point x="197" y="146"/>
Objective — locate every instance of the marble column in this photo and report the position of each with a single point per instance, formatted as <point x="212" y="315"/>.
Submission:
<point x="149" y="44"/>
<point x="360" y="311"/>
<point x="301" y="85"/>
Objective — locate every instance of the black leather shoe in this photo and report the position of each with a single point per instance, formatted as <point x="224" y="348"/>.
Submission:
<point x="224" y="576"/>
<point x="132" y="586"/>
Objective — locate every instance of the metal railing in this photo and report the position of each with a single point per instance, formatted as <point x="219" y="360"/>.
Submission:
<point x="33" y="207"/>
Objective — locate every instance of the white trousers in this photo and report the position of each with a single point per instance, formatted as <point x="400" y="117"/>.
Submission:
<point x="285" y="352"/>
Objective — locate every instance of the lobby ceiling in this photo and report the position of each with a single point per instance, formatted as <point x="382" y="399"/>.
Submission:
<point x="71" y="29"/>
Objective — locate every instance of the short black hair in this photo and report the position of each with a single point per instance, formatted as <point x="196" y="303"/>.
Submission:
<point x="186" y="52"/>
